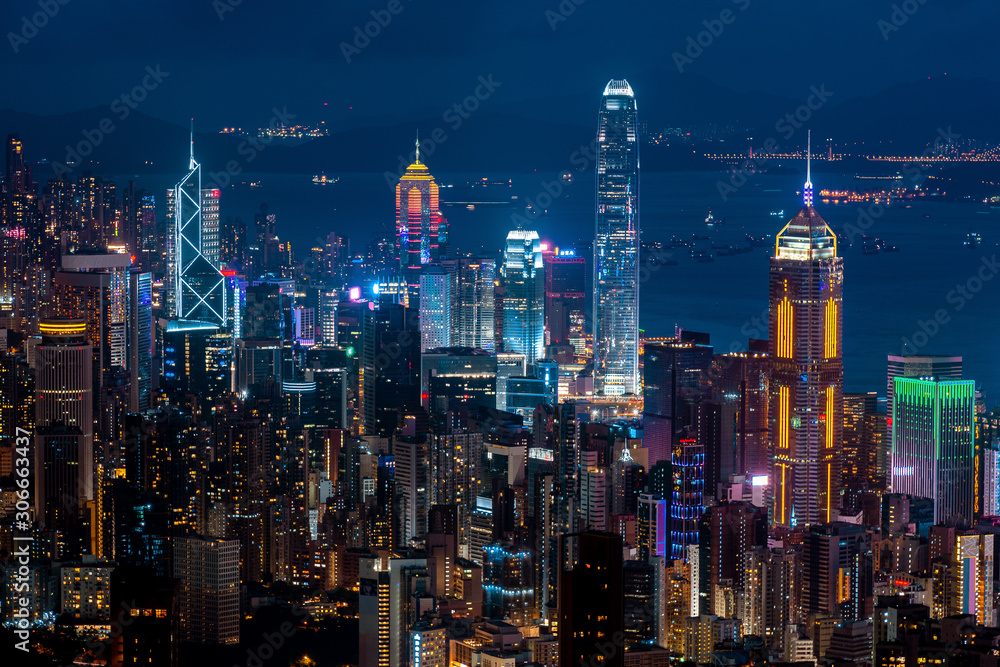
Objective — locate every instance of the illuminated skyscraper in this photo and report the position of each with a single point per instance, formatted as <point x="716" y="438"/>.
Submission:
<point x="198" y="290"/>
<point x="65" y="397"/>
<point x="807" y="375"/>
<point x="524" y="295"/>
<point x="437" y="308"/>
<point x="616" y="248"/>
<point x="933" y="454"/>
<point x="421" y="230"/>
<point x="476" y="306"/>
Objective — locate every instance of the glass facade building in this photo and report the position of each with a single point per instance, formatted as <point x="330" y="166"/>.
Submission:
<point x="616" y="246"/>
<point x="524" y="295"/>
<point x="933" y="453"/>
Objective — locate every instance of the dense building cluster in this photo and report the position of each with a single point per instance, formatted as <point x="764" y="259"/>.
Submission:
<point x="481" y="461"/>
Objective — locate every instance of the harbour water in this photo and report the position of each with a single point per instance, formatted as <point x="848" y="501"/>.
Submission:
<point x="936" y="293"/>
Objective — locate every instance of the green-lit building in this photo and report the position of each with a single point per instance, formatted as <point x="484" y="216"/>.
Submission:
<point x="933" y="454"/>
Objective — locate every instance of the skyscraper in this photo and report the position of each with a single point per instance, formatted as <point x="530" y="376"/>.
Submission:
<point x="65" y="396"/>
<point x="616" y="247"/>
<point x="437" y="311"/>
<point x="933" y="453"/>
<point x="197" y="289"/>
<point x="524" y="295"/>
<point x="807" y="375"/>
<point x="476" y="306"/>
<point x="421" y="230"/>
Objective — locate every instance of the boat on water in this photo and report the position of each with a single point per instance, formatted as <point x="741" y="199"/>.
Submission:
<point x="322" y="179"/>
<point x="711" y="221"/>
<point x="973" y="240"/>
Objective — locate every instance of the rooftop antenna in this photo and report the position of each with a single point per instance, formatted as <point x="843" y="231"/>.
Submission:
<point x="192" y="145"/>
<point x="417" y="142"/>
<point x="807" y="191"/>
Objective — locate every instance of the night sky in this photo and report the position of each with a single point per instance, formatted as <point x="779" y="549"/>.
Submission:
<point x="262" y="55"/>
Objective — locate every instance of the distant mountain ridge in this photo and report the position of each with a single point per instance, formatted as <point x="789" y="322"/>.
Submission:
<point x="554" y="134"/>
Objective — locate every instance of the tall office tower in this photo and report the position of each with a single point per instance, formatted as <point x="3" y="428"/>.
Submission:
<point x="412" y="486"/>
<point x="735" y="528"/>
<point x="140" y="345"/>
<point x="209" y="599"/>
<point x="509" y="593"/>
<point x="675" y="383"/>
<point x="565" y="291"/>
<point x="773" y="578"/>
<point x="917" y="366"/>
<point x="64" y="366"/>
<point x="437" y="308"/>
<point x="197" y="289"/>
<point x="807" y="372"/>
<point x="476" y="303"/>
<point x="653" y="527"/>
<point x="862" y="442"/>
<point x="838" y="575"/>
<point x="639" y="593"/>
<point x="421" y="229"/>
<point x="933" y="449"/>
<point x="524" y="295"/>
<point x="688" y="500"/>
<point x="390" y="362"/>
<point x="594" y="492"/>
<point x="336" y="260"/>
<point x="567" y="461"/>
<point x="591" y="607"/>
<point x="616" y="247"/>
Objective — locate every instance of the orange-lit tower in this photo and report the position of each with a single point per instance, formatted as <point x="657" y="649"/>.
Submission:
<point x="421" y="230"/>
<point x="807" y="373"/>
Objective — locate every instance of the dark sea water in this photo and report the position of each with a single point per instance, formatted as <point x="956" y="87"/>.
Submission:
<point x="886" y="296"/>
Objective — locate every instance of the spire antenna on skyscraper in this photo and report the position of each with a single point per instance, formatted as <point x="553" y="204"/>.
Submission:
<point x="417" y="142"/>
<point x="807" y="191"/>
<point x="192" y="164"/>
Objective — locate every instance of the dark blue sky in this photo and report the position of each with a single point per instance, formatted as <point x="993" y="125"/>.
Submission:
<point x="264" y="54"/>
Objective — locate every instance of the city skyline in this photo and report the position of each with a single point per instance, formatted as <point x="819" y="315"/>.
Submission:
<point x="367" y="385"/>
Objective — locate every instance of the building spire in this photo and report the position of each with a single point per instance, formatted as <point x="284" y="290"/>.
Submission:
<point x="192" y="165"/>
<point x="807" y="191"/>
<point x="417" y="142"/>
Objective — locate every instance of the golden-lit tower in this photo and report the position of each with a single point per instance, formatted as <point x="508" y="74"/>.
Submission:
<point x="421" y="230"/>
<point x="807" y="373"/>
